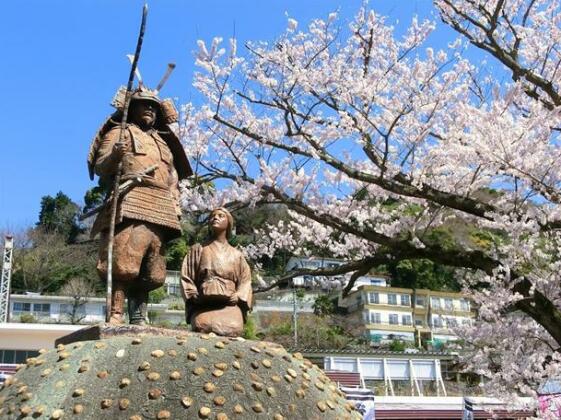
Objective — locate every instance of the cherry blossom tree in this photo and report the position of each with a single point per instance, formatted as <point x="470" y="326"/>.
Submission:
<point x="378" y="143"/>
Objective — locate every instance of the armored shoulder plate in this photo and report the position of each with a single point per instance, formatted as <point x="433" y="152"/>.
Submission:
<point x="96" y="142"/>
<point x="181" y="162"/>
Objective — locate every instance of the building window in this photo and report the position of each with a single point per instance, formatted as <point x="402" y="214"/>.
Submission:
<point x="394" y="319"/>
<point x="392" y="299"/>
<point x="67" y="308"/>
<point x="420" y="301"/>
<point x="42" y="308"/>
<point x="375" y="318"/>
<point x="451" y="322"/>
<point x="464" y="304"/>
<point x="373" y="297"/>
<point x="449" y="304"/>
<point x="419" y="322"/>
<point x="435" y="303"/>
<point x="406" y="319"/>
<point x="405" y="300"/>
<point x="20" y="307"/>
<point x="466" y="322"/>
<point x="437" y="321"/>
<point x="16" y="356"/>
<point x="173" y="289"/>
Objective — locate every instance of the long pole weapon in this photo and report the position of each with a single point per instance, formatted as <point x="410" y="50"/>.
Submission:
<point x="117" y="181"/>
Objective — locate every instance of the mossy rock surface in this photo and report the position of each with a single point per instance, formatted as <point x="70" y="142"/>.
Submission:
<point x="189" y="376"/>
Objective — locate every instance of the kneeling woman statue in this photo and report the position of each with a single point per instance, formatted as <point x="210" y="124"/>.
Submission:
<point x="216" y="281"/>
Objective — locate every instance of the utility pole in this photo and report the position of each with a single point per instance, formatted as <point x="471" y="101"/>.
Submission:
<point x="6" y="279"/>
<point x="294" y="315"/>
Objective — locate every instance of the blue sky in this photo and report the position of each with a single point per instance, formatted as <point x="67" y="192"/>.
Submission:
<point x="62" y="62"/>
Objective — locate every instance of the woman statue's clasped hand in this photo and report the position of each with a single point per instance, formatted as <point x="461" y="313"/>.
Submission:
<point x="216" y="281"/>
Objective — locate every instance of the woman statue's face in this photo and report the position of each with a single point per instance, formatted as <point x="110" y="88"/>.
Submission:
<point x="218" y="221"/>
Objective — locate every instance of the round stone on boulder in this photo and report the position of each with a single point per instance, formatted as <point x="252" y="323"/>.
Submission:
<point x="166" y="386"/>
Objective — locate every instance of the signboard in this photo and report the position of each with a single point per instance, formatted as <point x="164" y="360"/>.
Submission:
<point x="468" y="410"/>
<point x="363" y="400"/>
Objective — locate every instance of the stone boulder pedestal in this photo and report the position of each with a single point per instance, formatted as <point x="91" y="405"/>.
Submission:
<point x="133" y="372"/>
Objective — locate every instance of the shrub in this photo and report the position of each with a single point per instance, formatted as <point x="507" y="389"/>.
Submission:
<point x="27" y="319"/>
<point x="397" y="345"/>
<point x="250" y="329"/>
<point x="157" y="295"/>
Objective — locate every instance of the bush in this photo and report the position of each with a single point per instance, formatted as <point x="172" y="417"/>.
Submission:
<point x="397" y="345"/>
<point x="157" y="295"/>
<point x="164" y="323"/>
<point x="250" y="329"/>
<point x="27" y="319"/>
<point x="283" y="328"/>
<point x="177" y="306"/>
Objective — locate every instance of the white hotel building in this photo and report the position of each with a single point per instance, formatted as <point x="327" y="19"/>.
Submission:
<point x="416" y="315"/>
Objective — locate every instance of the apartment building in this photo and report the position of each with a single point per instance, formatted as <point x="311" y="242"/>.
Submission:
<point x="415" y="315"/>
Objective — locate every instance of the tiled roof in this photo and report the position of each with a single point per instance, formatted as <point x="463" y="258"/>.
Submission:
<point x="552" y="386"/>
<point x="373" y="352"/>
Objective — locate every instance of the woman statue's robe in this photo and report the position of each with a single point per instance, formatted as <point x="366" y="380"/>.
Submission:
<point x="210" y="275"/>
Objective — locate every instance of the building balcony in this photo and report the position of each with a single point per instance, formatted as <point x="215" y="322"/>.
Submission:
<point x="452" y="311"/>
<point x="388" y="307"/>
<point x="389" y="327"/>
<point x="420" y="310"/>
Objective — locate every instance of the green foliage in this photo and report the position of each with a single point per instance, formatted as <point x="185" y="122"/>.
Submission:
<point x="27" y="319"/>
<point x="157" y="295"/>
<point x="59" y="215"/>
<point x="300" y="294"/>
<point x="183" y="326"/>
<point x="438" y="345"/>
<point x="361" y="194"/>
<point x="282" y="328"/>
<point x="323" y="306"/>
<point x="177" y="306"/>
<point x="164" y="323"/>
<point x="250" y="329"/>
<point x="175" y="252"/>
<point x="275" y="266"/>
<point x="397" y="345"/>
<point x="44" y="262"/>
<point x="413" y="209"/>
<point x="392" y="204"/>
<point x="442" y="236"/>
<point x="94" y="198"/>
<point x="423" y="274"/>
<point x="485" y="239"/>
<point x="313" y="332"/>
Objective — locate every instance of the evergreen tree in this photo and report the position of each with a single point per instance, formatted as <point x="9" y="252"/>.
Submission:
<point x="59" y="214"/>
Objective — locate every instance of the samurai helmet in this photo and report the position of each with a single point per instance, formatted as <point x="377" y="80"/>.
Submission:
<point x="142" y="94"/>
<point x="166" y="107"/>
<point x="139" y="94"/>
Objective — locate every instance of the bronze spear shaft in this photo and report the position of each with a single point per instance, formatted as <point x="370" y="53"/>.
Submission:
<point x="117" y="181"/>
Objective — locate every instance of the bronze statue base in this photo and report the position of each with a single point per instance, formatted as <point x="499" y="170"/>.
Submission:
<point x="135" y="372"/>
